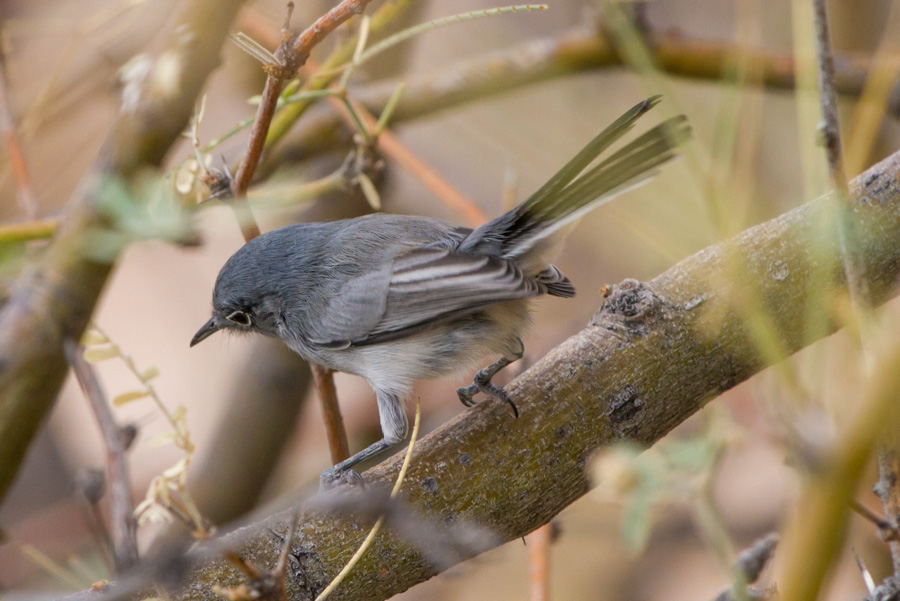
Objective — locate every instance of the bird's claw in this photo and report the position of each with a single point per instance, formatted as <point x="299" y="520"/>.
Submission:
<point x="332" y="478"/>
<point x="483" y="384"/>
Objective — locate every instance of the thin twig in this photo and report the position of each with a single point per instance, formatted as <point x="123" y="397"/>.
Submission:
<point x="394" y="149"/>
<point x="888" y="490"/>
<point x="854" y="267"/>
<point x="331" y="413"/>
<point x="291" y="57"/>
<point x="539" y="562"/>
<point x="29" y="230"/>
<point x="25" y="193"/>
<point x="122" y="522"/>
<point x="749" y="566"/>
<point x="885" y="528"/>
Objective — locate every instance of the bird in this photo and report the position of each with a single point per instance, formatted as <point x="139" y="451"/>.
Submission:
<point x="396" y="298"/>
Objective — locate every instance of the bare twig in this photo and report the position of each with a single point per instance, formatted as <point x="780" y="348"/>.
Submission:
<point x="854" y="266"/>
<point x="29" y="230"/>
<point x="122" y="522"/>
<point x="25" y="194"/>
<point x="539" y="543"/>
<point x="394" y="149"/>
<point x="291" y="56"/>
<point x="888" y="490"/>
<point x="331" y="413"/>
<point x="750" y="564"/>
<point x="886" y="529"/>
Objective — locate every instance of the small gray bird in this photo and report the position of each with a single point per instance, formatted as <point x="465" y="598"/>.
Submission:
<point x="395" y="298"/>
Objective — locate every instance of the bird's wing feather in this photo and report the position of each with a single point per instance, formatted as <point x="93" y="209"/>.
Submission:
<point x="423" y="286"/>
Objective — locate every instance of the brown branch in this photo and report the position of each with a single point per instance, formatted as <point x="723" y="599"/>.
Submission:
<point x="646" y="362"/>
<point x="25" y="194"/>
<point x="289" y="62"/>
<point x="121" y="505"/>
<point x="331" y="413"/>
<point x="539" y="543"/>
<point x="52" y="301"/>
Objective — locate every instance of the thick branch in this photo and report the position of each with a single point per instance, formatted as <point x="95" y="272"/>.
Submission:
<point x="53" y="300"/>
<point x="652" y="356"/>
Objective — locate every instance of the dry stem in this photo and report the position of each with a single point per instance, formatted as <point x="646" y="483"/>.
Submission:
<point x="539" y="543"/>
<point x="331" y="413"/>
<point x="122" y="522"/>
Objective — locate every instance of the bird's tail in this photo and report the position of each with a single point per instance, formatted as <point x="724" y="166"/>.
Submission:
<point x="566" y="197"/>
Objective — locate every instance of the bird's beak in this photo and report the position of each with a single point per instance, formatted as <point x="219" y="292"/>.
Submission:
<point x="208" y="329"/>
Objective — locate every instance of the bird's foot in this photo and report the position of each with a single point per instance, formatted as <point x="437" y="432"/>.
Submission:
<point x="332" y="478"/>
<point x="482" y="383"/>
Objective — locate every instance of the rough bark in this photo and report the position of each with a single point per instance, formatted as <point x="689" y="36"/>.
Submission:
<point x="653" y="355"/>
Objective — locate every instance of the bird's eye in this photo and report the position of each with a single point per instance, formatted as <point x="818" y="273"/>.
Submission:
<point x="240" y="318"/>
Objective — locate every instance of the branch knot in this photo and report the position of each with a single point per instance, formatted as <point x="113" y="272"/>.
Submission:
<point x="631" y="306"/>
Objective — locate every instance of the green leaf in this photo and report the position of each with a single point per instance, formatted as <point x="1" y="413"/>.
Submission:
<point x="149" y="373"/>
<point x="102" y="353"/>
<point x="127" y="397"/>
<point x="93" y="338"/>
<point x="369" y="191"/>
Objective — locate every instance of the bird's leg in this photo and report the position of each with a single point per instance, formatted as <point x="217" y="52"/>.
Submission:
<point x="343" y="471"/>
<point x="394" y="426"/>
<point x="482" y="380"/>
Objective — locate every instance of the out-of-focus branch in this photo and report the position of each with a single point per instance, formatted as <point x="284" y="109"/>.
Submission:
<point x="231" y="471"/>
<point x="27" y="230"/>
<point x="750" y="563"/>
<point x="533" y="62"/>
<point x="652" y="356"/>
<point x="571" y="53"/>
<point x="121" y="513"/>
<point x="53" y="300"/>
<point x="854" y="265"/>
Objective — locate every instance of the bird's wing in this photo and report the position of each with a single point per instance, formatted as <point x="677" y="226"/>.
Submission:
<point x="420" y="287"/>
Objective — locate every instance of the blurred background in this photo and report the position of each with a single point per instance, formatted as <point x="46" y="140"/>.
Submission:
<point x="63" y="60"/>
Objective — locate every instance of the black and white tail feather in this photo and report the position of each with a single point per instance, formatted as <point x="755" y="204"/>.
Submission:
<point x="564" y="198"/>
